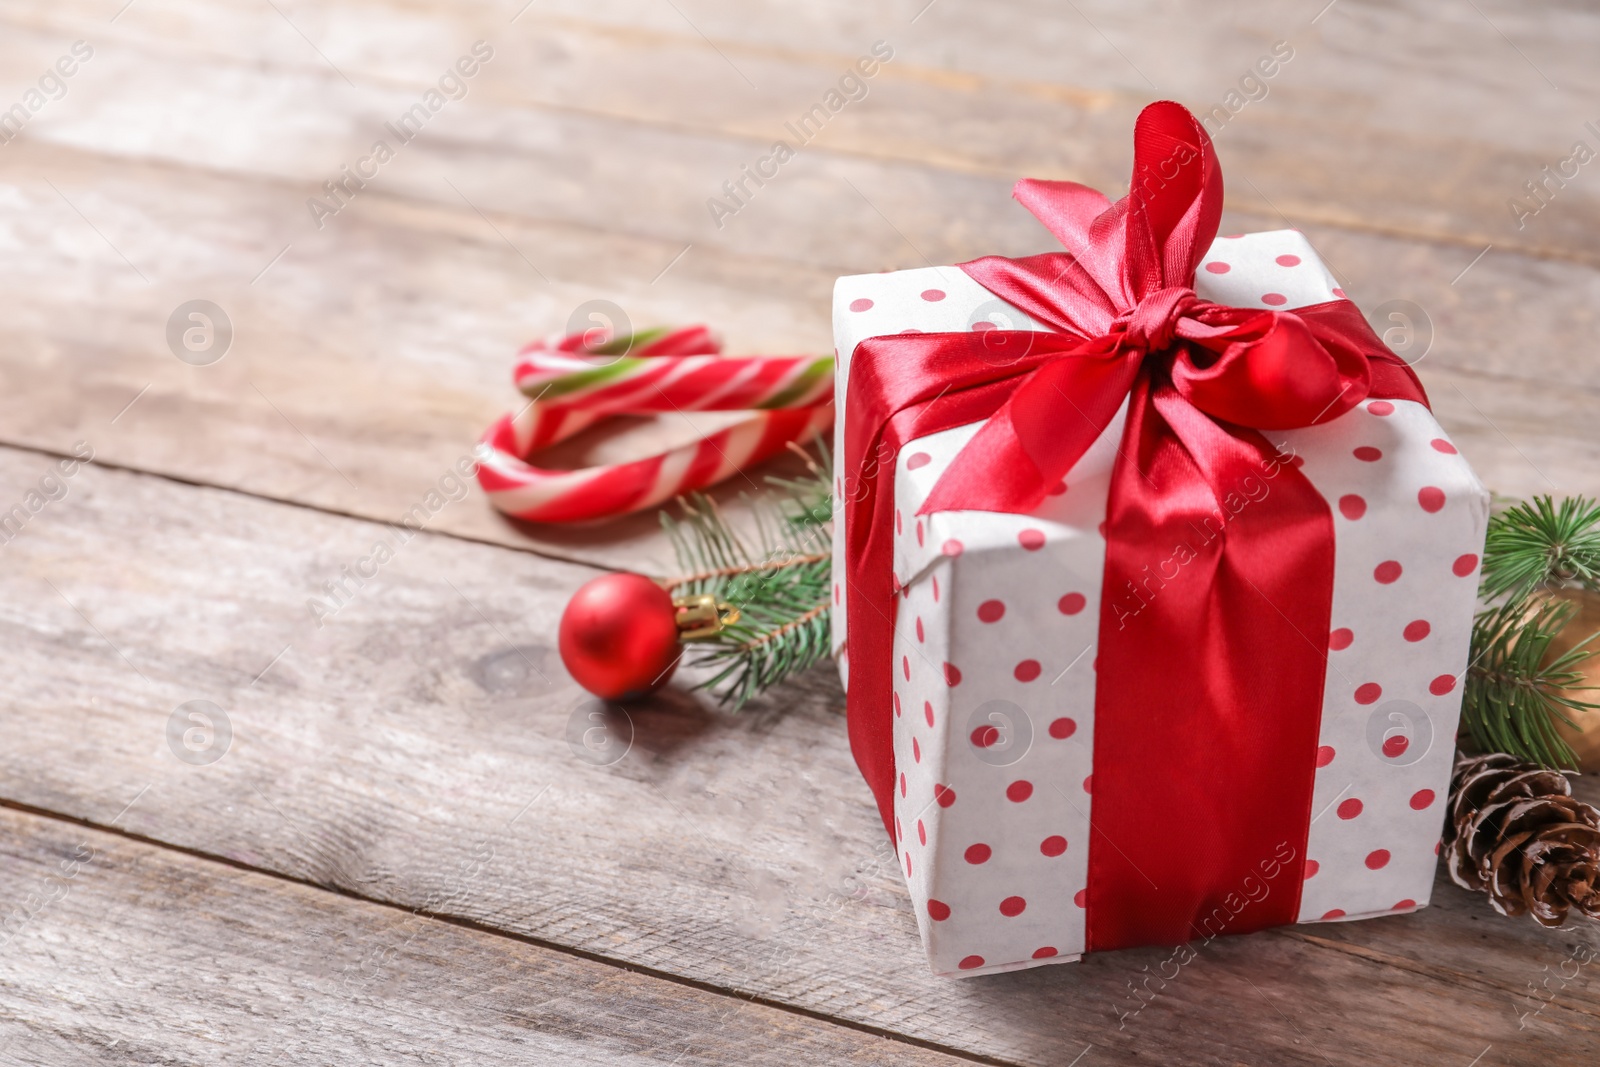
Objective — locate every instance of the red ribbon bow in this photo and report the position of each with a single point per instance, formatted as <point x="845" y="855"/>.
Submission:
<point x="1209" y="694"/>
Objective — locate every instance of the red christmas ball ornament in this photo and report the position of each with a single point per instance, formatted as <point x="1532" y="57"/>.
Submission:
<point x="619" y="636"/>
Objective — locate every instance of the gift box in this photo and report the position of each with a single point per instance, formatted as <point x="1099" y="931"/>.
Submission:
<point x="1155" y="581"/>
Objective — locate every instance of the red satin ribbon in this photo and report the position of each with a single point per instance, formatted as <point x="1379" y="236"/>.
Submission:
<point x="1211" y="678"/>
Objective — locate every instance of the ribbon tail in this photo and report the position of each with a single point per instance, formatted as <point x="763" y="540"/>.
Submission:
<point x="1214" y="623"/>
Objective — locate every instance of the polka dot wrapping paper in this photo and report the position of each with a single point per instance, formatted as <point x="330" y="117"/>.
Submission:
<point x="996" y="629"/>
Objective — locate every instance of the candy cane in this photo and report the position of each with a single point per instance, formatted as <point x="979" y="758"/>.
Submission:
<point x="573" y="385"/>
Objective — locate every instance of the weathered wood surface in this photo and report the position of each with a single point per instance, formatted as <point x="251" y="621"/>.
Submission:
<point x="119" y="952"/>
<point x="371" y="355"/>
<point x="417" y="749"/>
<point x="385" y="753"/>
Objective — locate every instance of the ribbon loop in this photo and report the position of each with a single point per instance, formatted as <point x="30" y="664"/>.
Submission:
<point x="1128" y="289"/>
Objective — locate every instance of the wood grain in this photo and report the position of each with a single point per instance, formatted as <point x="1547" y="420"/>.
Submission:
<point x="372" y="354"/>
<point x="119" y="952"/>
<point x="427" y="725"/>
<point x="1387" y="117"/>
<point x="420" y="748"/>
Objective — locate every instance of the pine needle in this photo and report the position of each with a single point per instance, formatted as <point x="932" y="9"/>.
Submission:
<point x="781" y="585"/>
<point x="1513" y="698"/>
<point x="1539" y="544"/>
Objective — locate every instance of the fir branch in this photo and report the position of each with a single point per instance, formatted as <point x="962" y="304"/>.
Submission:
<point x="1539" y="544"/>
<point x="781" y="586"/>
<point x="1513" y="698"/>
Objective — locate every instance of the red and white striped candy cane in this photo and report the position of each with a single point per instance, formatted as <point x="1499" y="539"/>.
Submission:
<point x="574" y="385"/>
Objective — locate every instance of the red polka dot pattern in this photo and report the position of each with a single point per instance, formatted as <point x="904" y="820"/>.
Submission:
<point x="1383" y="468"/>
<point x="978" y="853"/>
<point x="1011" y="907"/>
<point x="862" y="304"/>
<point x="1377" y="859"/>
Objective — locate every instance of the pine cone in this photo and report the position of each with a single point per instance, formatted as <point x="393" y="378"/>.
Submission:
<point x="1517" y="833"/>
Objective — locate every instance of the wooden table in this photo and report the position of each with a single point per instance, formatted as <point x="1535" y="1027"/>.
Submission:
<point x="398" y="857"/>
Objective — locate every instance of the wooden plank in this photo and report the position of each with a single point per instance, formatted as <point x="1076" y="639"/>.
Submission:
<point x="362" y="403"/>
<point x="122" y="952"/>
<point x="1353" y="130"/>
<point x="357" y="410"/>
<point x="426" y="731"/>
<point x="358" y="403"/>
